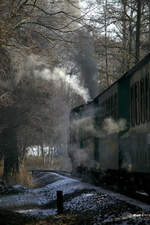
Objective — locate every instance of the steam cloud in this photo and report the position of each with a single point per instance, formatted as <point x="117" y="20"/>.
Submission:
<point x="83" y="156"/>
<point x="111" y="126"/>
<point x="59" y="75"/>
<point x="87" y="125"/>
<point x="39" y="67"/>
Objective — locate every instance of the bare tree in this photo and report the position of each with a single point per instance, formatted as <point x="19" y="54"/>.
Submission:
<point x="138" y="28"/>
<point x="29" y="29"/>
<point x="127" y="34"/>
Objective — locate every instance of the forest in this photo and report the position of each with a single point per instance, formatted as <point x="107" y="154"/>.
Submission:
<point x="55" y="55"/>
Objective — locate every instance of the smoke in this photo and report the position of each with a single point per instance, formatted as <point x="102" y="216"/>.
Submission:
<point x="87" y="126"/>
<point x="59" y="76"/>
<point x="82" y="157"/>
<point x="90" y="129"/>
<point x="86" y="130"/>
<point x="84" y="57"/>
<point x="38" y="68"/>
<point x="111" y="126"/>
<point x="34" y="66"/>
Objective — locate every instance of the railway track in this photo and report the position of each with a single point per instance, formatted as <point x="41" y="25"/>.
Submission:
<point x="138" y="195"/>
<point x="64" y="173"/>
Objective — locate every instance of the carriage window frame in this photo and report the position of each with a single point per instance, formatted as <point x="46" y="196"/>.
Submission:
<point x="132" y="108"/>
<point x="137" y="104"/>
<point x="106" y="108"/>
<point x="110" y="106"/>
<point x="105" y="112"/>
<point x="103" y="109"/>
<point x="149" y="97"/>
<point x="147" y="103"/>
<point x="142" y="99"/>
<point x="115" y="106"/>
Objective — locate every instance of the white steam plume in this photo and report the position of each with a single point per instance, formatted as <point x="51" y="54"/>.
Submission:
<point x="111" y="126"/>
<point x="58" y="75"/>
<point x="86" y="124"/>
<point x="40" y="68"/>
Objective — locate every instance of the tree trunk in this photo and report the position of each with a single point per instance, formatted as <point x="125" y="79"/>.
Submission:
<point x="106" y="46"/>
<point x="43" y="154"/>
<point x="124" y="40"/>
<point x="138" y="26"/>
<point x="149" y="22"/>
<point x="130" y="38"/>
<point x="10" y="151"/>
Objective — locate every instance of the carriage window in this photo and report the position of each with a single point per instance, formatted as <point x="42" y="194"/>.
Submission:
<point x="105" y="108"/>
<point x="115" y="106"/>
<point x="147" y="112"/>
<point x="137" y="103"/>
<point x="110" y="106"/>
<point x="142" y="97"/>
<point x="140" y="101"/>
<point x="132" y="108"/>
<point x="109" y="100"/>
<point x="148" y="75"/>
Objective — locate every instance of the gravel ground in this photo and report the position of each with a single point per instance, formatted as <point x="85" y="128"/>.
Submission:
<point x="83" y="204"/>
<point x="105" y="209"/>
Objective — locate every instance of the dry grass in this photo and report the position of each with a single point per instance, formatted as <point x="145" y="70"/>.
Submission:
<point x="23" y="178"/>
<point x="59" y="163"/>
<point x="34" y="162"/>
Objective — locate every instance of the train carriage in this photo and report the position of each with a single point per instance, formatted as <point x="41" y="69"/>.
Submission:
<point x="127" y="148"/>
<point x="135" y="142"/>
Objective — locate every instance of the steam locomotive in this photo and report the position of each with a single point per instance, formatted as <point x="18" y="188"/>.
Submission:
<point x="112" y="132"/>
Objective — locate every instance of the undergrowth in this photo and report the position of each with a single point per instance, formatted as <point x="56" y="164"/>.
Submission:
<point x="23" y="178"/>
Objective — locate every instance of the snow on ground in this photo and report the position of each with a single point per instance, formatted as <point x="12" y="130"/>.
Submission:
<point x="42" y="195"/>
<point x="107" y="207"/>
<point x="40" y="213"/>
